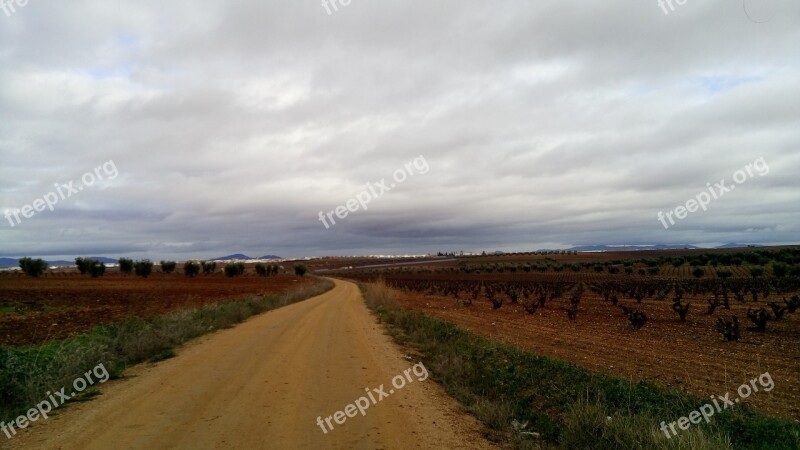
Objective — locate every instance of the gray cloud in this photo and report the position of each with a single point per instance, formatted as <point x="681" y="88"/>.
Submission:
<point x="545" y="124"/>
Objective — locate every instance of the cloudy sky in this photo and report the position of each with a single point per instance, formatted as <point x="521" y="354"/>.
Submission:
<point x="229" y="126"/>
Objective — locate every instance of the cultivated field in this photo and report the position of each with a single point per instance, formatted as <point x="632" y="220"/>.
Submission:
<point x="580" y="317"/>
<point x="62" y="304"/>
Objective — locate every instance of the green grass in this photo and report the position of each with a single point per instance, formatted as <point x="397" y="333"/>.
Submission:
<point x="22" y="308"/>
<point x="568" y="406"/>
<point x="28" y="373"/>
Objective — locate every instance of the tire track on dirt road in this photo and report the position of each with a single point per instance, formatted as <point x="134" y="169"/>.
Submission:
<point x="263" y="384"/>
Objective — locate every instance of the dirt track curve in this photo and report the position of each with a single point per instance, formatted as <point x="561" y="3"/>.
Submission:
<point x="263" y="384"/>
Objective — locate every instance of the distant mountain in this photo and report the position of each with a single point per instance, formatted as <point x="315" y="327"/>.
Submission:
<point x="615" y="248"/>
<point x="270" y="257"/>
<point x="735" y="245"/>
<point x="13" y="262"/>
<point x="101" y="259"/>
<point x="237" y="256"/>
<point x="9" y="262"/>
<point x="60" y="262"/>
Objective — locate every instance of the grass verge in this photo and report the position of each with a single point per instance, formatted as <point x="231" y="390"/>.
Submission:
<point x="27" y="373"/>
<point x="564" y="405"/>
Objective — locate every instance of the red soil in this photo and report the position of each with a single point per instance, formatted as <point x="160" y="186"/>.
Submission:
<point x="59" y="305"/>
<point x="691" y="356"/>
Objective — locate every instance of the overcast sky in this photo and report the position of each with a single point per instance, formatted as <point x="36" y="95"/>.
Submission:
<point x="231" y="125"/>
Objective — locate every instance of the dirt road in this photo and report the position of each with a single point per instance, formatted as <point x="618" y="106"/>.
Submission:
<point x="262" y="385"/>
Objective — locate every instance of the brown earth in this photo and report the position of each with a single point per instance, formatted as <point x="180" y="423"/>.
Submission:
<point x="36" y="310"/>
<point x="691" y="356"/>
<point x="262" y="385"/>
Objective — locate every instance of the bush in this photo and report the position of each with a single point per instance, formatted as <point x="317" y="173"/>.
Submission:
<point x="300" y="270"/>
<point x="629" y="270"/>
<point x="262" y="270"/>
<point x="168" y="266"/>
<point x="33" y="267"/>
<point x="653" y="270"/>
<point x="756" y="271"/>
<point x="275" y="269"/>
<point x="209" y="266"/>
<point x="191" y="268"/>
<point x="724" y="274"/>
<point x="698" y="272"/>
<point x="234" y="269"/>
<point x="125" y="265"/>
<point x="780" y="270"/>
<point x="83" y="264"/>
<point x="96" y="269"/>
<point x="143" y="268"/>
<point x="613" y="269"/>
<point x="92" y="267"/>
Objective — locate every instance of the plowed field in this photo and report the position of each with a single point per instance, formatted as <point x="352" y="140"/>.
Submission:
<point x="688" y="355"/>
<point x="35" y="310"/>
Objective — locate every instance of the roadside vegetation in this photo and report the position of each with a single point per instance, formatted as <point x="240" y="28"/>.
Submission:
<point x="528" y="401"/>
<point x="28" y="373"/>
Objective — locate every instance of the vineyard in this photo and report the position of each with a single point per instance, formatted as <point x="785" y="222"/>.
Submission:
<point x="766" y="299"/>
<point x="700" y="335"/>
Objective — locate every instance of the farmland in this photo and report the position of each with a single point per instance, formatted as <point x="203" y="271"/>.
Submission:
<point x="585" y="317"/>
<point x="64" y="303"/>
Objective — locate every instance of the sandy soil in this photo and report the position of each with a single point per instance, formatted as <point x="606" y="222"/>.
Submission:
<point x="262" y="385"/>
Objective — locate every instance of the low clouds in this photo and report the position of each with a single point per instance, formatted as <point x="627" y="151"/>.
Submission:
<point x="545" y="124"/>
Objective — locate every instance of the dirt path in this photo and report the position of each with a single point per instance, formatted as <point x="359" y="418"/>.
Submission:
<point x="262" y="385"/>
